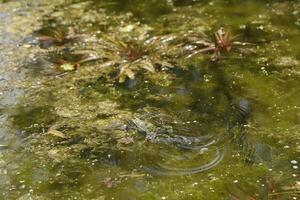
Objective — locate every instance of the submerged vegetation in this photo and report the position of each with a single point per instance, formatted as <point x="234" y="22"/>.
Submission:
<point x="199" y="112"/>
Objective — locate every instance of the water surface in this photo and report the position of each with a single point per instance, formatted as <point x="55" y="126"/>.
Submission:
<point x="223" y="129"/>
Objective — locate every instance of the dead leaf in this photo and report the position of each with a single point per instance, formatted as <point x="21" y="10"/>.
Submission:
<point x="125" y="140"/>
<point x="56" y="133"/>
<point x="68" y="67"/>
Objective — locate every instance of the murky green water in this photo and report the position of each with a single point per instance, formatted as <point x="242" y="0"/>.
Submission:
<point x="202" y="128"/>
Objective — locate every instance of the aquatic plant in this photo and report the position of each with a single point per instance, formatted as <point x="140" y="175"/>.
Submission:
<point x="56" y="37"/>
<point x="131" y="56"/>
<point x="59" y="62"/>
<point x="223" y="42"/>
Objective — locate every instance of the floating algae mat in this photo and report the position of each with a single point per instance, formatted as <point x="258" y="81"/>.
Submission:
<point x="158" y="99"/>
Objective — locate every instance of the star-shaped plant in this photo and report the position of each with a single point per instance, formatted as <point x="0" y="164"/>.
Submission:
<point x="59" y="62"/>
<point x="223" y="42"/>
<point x="56" y="37"/>
<point x="130" y="57"/>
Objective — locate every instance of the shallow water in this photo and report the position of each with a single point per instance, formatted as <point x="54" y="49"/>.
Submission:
<point x="221" y="129"/>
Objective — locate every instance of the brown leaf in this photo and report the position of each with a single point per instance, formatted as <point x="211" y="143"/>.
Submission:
<point x="125" y="140"/>
<point x="56" y="133"/>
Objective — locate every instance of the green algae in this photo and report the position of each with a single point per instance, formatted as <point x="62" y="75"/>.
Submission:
<point x="195" y="98"/>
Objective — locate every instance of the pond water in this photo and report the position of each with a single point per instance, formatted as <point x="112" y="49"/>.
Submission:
<point x="134" y="99"/>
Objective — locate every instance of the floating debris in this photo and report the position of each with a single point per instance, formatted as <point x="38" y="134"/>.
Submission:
<point x="125" y="140"/>
<point x="57" y="133"/>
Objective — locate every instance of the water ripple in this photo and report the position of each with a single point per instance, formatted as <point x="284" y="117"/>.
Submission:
<point x="163" y="170"/>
